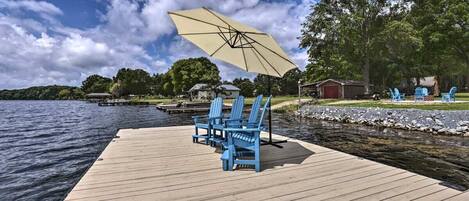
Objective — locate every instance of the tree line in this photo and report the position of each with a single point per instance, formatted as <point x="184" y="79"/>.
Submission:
<point x="385" y="42"/>
<point x="182" y="76"/>
<point x="177" y="81"/>
<point x="53" y="92"/>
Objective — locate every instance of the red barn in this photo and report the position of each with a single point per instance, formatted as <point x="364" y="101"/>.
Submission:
<point x="341" y="89"/>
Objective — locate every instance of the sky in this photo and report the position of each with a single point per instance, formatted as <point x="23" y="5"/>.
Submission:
<point x="63" y="41"/>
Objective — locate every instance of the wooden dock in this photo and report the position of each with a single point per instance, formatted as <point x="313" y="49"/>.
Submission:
<point x="164" y="164"/>
<point x="122" y="103"/>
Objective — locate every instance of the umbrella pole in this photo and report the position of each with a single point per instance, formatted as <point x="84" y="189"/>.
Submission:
<point x="270" y="142"/>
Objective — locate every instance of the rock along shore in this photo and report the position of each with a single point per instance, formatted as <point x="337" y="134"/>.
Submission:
<point x="431" y="121"/>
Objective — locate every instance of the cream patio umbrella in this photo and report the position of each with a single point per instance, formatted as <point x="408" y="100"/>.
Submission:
<point x="234" y="43"/>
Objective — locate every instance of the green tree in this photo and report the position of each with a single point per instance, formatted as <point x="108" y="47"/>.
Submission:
<point x="400" y="47"/>
<point x="52" y="92"/>
<point x="245" y="85"/>
<point x="342" y="30"/>
<point x="96" y="84"/>
<point x="185" y="73"/>
<point x="289" y="82"/>
<point x="64" y="94"/>
<point x="156" y="87"/>
<point x="261" y="83"/>
<point x="133" y="81"/>
<point x="116" y="89"/>
<point x="444" y="26"/>
<point x="77" y="93"/>
<point x="167" y="85"/>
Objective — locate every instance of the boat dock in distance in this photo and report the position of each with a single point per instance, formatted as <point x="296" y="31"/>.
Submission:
<point x="187" y="108"/>
<point x="164" y="164"/>
<point x="121" y="103"/>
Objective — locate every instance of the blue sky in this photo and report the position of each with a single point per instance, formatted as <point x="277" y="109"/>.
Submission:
<point x="63" y="41"/>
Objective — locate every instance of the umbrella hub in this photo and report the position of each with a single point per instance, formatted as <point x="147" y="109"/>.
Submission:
<point x="236" y="39"/>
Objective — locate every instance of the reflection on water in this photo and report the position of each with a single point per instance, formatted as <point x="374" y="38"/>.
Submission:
<point x="441" y="157"/>
<point x="45" y="146"/>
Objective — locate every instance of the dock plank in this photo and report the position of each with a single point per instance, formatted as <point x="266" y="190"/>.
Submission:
<point x="164" y="164"/>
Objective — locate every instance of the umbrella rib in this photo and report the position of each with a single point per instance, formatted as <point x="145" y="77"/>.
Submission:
<point x="218" y="49"/>
<point x="244" y="55"/>
<point x="256" y="51"/>
<point x="259" y="60"/>
<point x="271" y="51"/>
<point x="202" y="33"/>
<point x="171" y="13"/>
<point x="208" y="10"/>
<point x="226" y="42"/>
<point x="266" y="61"/>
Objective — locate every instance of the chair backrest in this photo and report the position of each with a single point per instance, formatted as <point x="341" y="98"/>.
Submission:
<point x="216" y="109"/>
<point x="396" y="92"/>
<point x="392" y="93"/>
<point x="418" y="91"/>
<point x="452" y="91"/>
<point x="254" y="114"/>
<point x="237" y="108"/>
<point x="264" y="110"/>
<point x="424" y="91"/>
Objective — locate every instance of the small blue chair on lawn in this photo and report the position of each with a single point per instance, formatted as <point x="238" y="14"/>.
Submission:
<point x="397" y="96"/>
<point x="450" y="96"/>
<point x="233" y="121"/>
<point x="425" y="91"/>
<point x="207" y="122"/>
<point x="244" y="144"/>
<point x="419" y="94"/>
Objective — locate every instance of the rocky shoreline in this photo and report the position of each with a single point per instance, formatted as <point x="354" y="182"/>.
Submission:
<point x="430" y="121"/>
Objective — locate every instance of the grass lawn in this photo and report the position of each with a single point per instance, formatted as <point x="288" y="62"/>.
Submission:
<point x="248" y="101"/>
<point x="381" y="104"/>
<point x="275" y="100"/>
<point x="406" y="105"/>
<point x="462" y="96"/>
<point x="155" y="101"/>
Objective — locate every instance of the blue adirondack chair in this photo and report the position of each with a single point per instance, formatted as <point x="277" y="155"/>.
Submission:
<point x="394" y="97"/>
<point x="245" y="142"/>
<point x="391" y="94"/>
<point x="207" y="122"/>
<point x="419" y="95"/>
<point x="398" y="96"/>
<point x="425" y="91"/>
<point x="233" y="121"/>
<point x="450" y="96"/>
<point x="250" y="122"/>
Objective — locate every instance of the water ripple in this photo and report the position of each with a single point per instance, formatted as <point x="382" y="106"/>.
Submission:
<point x="46" y="146"/>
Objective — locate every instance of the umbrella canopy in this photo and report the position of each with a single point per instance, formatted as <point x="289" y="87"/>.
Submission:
<point x="232" y="42"/>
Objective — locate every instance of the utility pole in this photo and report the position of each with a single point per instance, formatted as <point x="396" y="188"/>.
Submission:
<point x="299" y="93"/>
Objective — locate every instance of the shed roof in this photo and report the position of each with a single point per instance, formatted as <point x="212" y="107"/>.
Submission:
<point x="203" y="87"/>
<point x="344" y="82"/>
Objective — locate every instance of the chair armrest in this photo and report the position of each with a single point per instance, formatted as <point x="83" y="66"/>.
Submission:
<point x="242" y="130"/>
<point x="211" y="120"/>
<point x="199" y="116"/>
<point x="196" y="118"/>
<point x="214" y="118"/>
<point x="232" y="122"/>
<point x="226" y="120"/>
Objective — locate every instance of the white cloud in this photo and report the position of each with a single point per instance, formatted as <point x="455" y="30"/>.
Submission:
<point x="36" y="52"/>
<point x="36" y="6"/>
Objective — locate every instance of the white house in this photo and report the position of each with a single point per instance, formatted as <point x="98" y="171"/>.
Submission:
<point x="201" y="91"/>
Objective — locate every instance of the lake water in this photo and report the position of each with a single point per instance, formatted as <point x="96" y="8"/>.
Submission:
<point x="46" y="146"/>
